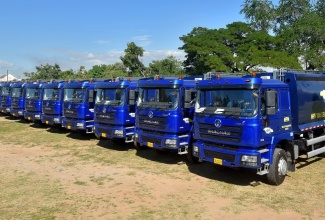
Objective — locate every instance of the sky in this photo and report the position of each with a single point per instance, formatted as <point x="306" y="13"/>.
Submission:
<point x="74" y="33"/>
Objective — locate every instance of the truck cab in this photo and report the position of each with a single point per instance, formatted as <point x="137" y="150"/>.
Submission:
<point x="5" y="97"/>
<point x="78" y="105"/>
<point x="18" y="91"/>
<point x="164" y="114"/>
<point x="33" y="101"/>
<point x="53" y="103"/>
<point x="260" y="121"/>
<point x="115" y="109"/>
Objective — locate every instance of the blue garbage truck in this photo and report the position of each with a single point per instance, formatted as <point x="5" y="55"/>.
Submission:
<point x="33" y="101"/>
<point x="115" y="109"/>
<point x="5" y="104"/>
<point x="164" y="113"/>
<point x="263" y="122"/>
<point x="78" y="105"/>
<point x="53" y="103"/>
<point x="18" y="92"/>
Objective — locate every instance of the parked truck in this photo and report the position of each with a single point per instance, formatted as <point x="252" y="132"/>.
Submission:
<point x="115" y="109"/>
<point x="53" y="103"/>
<point x="18" y="91"/>
<point x="263" y="122"/>
<point x="78" y="105"/>
<point x="5" y="104"/>
<point x="33" y="101"/>
<point x="164" y="113"/>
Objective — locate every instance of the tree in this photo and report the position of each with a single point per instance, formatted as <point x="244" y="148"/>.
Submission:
<point x="259" y="13"/>
<point x="299" y="26"/>
<point x="45" y="72"/>
<point x="131" y="60"/>
<point x="238" y="48"/>
<point x="167" y="66"/>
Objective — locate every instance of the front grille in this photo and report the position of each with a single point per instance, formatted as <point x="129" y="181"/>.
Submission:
<point x="103" y="130"/>
<point x="223" y="156"/>
<point x="151" y="139"/>
<point x="151" y="132"/>
<point x="48" y="110"/>
<point x="227" y="133"/>
<point x="70" y="112"/>
<point x="155" y="122"/>
<point x="109" y="116"/>
<point x="222" y="147"/>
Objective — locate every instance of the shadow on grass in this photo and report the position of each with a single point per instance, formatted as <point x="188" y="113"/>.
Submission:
<point x="58" y="130"/>
<point x="171" y="157"/>
<point x="80" y="135"/>
<point x="241" y="177"/>
<point x="303" y="162"/>
<point x="119" y="145"/>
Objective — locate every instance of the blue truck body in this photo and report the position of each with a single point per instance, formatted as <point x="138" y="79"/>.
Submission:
<point x="78" y="105"/>
<point x="115" y="109"/>
<point x="263" y="122"/>
<point x="18" y="91"/>
<point x="5" y="97"/>
<point x="33" y="101"/>
<point x="53" y="103"/>
<point x="164" y="113"/>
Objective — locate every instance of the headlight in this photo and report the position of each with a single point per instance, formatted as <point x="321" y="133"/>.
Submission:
<point x="8" y="109"/>
<point x="20" y="112"/>
<point x="249" y="160"/>
<point x="171" y="143"/>
<point x="80" y="125"/>
<point x="37" y="117"/>
<point x="118" y="133"/>
<point x="56" y="120"/>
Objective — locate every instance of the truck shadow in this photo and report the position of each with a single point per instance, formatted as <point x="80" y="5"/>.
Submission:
<point x="117" y="146"/>
<point x="57" y="130"/>
<point x="303" y="162"/>
<point x="161" y="157"/>
<point x="241" y="177"/>
<point x="80" y="135"/>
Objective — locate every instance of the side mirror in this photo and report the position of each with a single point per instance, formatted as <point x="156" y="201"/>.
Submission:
<point x="189" y="96"/>
<point x="132" y="97"/>
<point x="270" y="101"/>
<point x="90" y="95"/>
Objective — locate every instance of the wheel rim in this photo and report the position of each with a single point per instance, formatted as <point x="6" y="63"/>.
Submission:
<point x="282" y="167"/>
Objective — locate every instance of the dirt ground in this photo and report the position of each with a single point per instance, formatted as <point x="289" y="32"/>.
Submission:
<point x="143" y="186"/>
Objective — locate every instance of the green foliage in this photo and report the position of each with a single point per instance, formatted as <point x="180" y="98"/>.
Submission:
<point x="168" y="66"/>
<point x="131" y="60"/>
<point x="238" y="48"/>
<point x="298" y="24"/>
<point x="45" y="72"/>
<point x="107" y="71"/>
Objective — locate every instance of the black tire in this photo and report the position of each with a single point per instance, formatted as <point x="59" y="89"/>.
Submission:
<point x="279" y="168"/>
<point x="138" y="146"/>
<point x="98" y="136"/>
<point x="190" y="156"/>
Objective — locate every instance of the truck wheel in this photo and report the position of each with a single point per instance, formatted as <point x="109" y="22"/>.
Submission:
<point x="279" y="168"/>
<point x="98" y="136"/>
<point x="138" y="146"/>
<point x="190" y="156"/>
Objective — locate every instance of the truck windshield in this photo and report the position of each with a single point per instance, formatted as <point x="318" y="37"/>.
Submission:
<point x="234" y="102"/>
<point x="5" y="91"/>
<point x="110" y="96"/>
<point x="17" y="92"/>
<point x="32" y="93"/>
<point x="51" y="94"/>
<point x="74" y="95"/>
<point x="161" y="98"/>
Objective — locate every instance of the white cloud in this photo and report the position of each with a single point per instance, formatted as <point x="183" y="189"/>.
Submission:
<point x="5" y="64"/>
<point x="143" y="40"/>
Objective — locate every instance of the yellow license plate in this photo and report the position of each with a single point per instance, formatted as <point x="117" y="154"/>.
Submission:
<point x="13" y="114"/>
<point x="69" y="127"/>
<point x="150" y="144"/>
<point x="217" y="161"/>
<point x="47" y="122"/>
<point x="28" y="118"/>
<point x="104" y="135"/>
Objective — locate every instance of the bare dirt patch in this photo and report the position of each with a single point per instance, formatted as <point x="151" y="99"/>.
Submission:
<point x="51" y="174"/>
